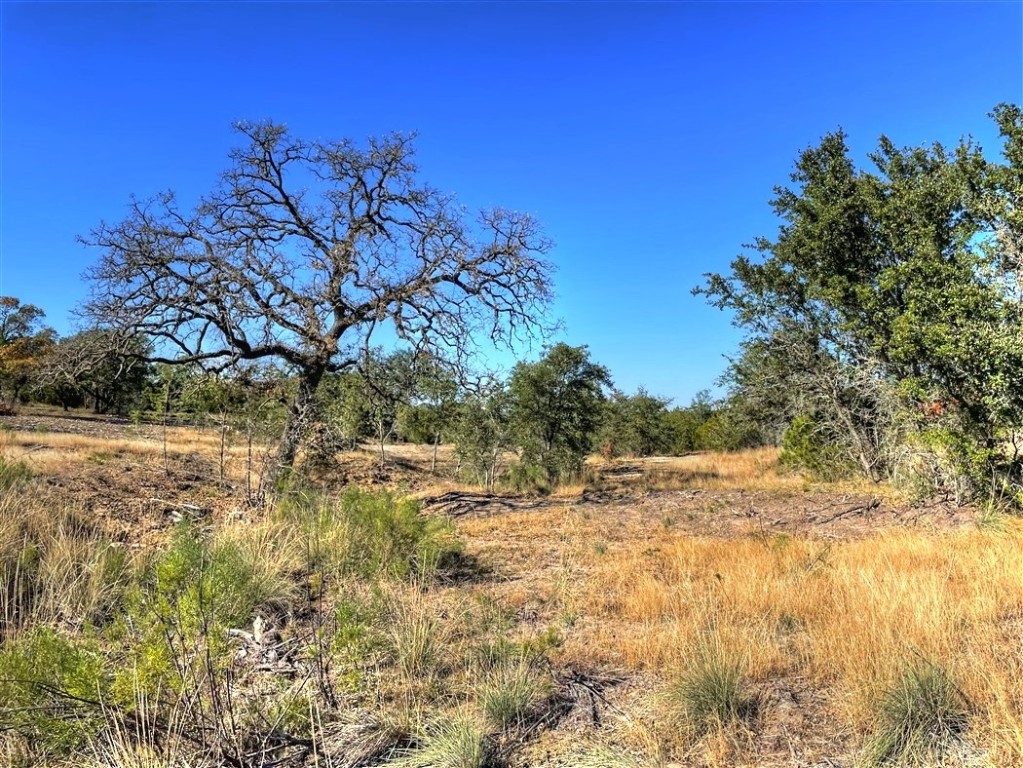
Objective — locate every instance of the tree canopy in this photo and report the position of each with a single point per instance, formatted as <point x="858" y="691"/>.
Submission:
<point x="886" y="290"/>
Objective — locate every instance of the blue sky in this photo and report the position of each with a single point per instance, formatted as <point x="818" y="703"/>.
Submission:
<point x="647" y="137"/>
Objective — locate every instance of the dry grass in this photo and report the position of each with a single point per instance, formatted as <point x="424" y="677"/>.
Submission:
<point x="839" y="621"/>
<point x="850" y="616"/>
<point x="50" y="452"/>
<point x="756" y="469"/>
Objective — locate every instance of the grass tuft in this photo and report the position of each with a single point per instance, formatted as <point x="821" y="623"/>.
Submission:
<point x="601" y="757"/>
<point x="918" y="719"/>
<point x="511" y="689"/>
<point x="708" y="696"/>
<point x="461" y="742"/>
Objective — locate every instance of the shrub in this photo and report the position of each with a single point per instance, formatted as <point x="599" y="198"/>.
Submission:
<point x="807" y="446"/>
<point x="49" y="687"/>
<point x="918" y="718"/>
<point x="374" y="534"/>
<point x="524" y="477"/>
<point x="190" y="595"/>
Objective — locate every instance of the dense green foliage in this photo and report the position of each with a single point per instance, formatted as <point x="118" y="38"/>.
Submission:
<point x="556" y="405"/>
<point x="888" y="306"/>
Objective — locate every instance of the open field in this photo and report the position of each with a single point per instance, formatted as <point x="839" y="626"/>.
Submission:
<point x="697" y="611"/>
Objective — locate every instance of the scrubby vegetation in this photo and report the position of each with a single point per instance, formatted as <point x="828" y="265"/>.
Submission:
<point x="349" y="626"/>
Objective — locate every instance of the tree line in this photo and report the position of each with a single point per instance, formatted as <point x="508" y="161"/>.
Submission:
<point x="550" y="414"/>
<point x="882" y="320"/>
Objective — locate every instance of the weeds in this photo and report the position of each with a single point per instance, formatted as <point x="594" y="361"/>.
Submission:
<point x="49" y="690"/>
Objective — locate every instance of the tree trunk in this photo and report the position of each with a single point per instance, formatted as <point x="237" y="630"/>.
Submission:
<point x="299" y="416"/>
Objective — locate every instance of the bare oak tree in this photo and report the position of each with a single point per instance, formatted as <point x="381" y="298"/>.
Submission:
<point x="305" y="250"/>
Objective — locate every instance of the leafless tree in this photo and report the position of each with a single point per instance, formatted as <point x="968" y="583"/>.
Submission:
<point x="304" y="251"/>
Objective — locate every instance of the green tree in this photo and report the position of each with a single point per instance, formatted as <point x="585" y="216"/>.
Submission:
<point x="392" y="382"/>
<point x="683" y="423"/>
<point x="637" y="425"/>
<point x="884" y="291"/>
<point x="556" y="408"/>
<point x="431" y="412"/>
<point x="98" y="367"/>
<point x="24" y="341"/>
<point x="482" y="432"/>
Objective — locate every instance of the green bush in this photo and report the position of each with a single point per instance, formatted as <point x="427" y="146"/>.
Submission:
<point x="524" y="477"/>
<point x="374" y="534"/>
<point x="50" y="687"/>
<point x="807" y="446"/>
<point x="187" y="599"/>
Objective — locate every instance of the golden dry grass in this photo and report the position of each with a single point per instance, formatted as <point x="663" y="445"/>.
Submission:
<point x="47" y="452"/>
<point x="755" y="469"/>
<point x="846" y="615"/>
<point x="638" y="597"/>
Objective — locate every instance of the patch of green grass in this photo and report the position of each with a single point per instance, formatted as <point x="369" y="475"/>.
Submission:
<point x="918" y="719"/>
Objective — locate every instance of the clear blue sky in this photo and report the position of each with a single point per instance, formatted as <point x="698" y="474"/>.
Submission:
<point x="646" y="137"/>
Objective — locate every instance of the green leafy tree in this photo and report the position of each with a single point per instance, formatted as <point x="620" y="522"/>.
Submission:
<point x="556" y="408"/>
<point x="685" y="422"/>
<point x="430" y="413"/>
<point x="482" y="432"/>
<point x="392" y="381"/>
<point x="343" y="404"/>
<point x="637" y="425"/>
<point x="883" y="292"/>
